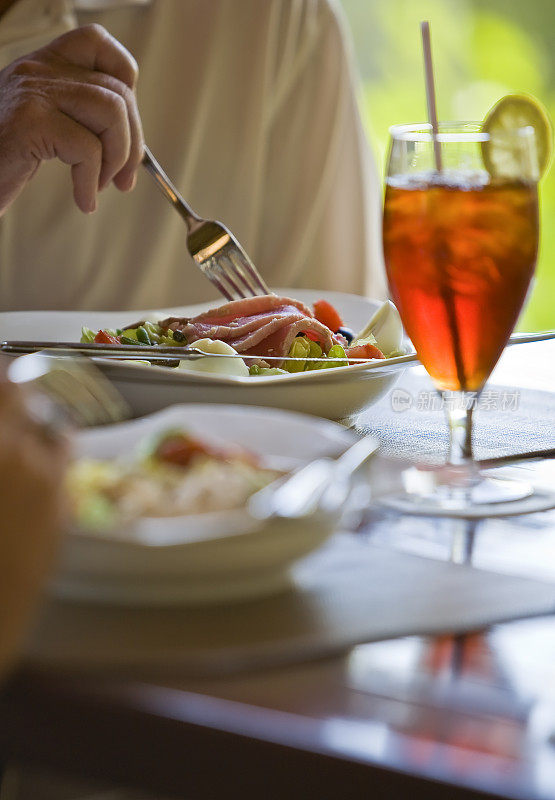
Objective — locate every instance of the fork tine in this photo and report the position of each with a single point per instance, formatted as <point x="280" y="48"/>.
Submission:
<point x="232" y="272"/>
<point x="220" y="267"/>
<point x="218" y="284"/>
<point x="227" y="273"/>
<point x="213" y="273"/>
<point x="246" y="268"/>
<point x="241" y="269"/>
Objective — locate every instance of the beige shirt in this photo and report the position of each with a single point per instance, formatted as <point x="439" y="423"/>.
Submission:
<point x="249" y="105"/>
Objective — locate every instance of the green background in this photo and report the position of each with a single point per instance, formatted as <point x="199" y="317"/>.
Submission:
<point x="482" y="50"/>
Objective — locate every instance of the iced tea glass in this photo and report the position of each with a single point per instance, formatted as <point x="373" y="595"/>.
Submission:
<point x="460" y="248"/>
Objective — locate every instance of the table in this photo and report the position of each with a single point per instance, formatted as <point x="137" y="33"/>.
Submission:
<point x="471" y="716"/>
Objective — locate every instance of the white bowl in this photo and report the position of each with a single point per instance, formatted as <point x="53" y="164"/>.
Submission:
<point x="332" y="393"/>
<point x="203" y="558"/>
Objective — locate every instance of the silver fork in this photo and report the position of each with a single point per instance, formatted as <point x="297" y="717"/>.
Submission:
<point x="67" y="391"/>
<point x="211" y="245"/>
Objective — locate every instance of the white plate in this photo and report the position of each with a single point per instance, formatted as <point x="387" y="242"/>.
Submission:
<point x="201" y="558"/>
<point x="332" y="393"/>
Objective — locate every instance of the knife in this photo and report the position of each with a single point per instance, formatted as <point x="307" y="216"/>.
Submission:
<point x="155" y="352"/>
<point x="189" y="352"/>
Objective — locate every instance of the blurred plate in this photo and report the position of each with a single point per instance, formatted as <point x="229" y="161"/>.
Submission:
<point x="331" y="393"/>
<point x="202" y="558"/>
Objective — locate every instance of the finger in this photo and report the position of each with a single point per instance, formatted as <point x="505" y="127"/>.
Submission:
<point x="92" y="55"/>
<point x="77" y="146"/>
<point x="92" y="47"/>
<point x="102" y="111"/>
<point x="125" y="177"/>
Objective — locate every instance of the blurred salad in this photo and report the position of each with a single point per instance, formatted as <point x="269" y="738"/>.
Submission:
<point x="171" y="475"/>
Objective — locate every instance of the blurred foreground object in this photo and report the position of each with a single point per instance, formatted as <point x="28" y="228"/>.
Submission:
<point x="32" y="465"/>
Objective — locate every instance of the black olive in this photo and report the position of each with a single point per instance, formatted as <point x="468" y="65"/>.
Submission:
<point x="347" y="333"/>
<point x="178" y="336"/>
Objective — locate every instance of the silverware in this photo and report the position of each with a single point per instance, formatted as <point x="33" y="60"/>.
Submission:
<point x="212" y="246"/>
<point x="159" y="353"/>
<point x="98" y="350"/>
<point x="324" y="483"/>
<point x="526" y="338"/>
<point x="148" y="352"/>
<point x="67" y="390"/>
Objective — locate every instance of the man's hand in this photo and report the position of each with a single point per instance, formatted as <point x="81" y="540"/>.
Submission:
<point x="74" y="100"/>
<point x="32" y="466"/>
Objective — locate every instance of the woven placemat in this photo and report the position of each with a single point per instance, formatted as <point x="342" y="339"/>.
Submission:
<point x="410" y="423"/>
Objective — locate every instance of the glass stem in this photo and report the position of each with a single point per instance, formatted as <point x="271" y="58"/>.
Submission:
<point x="459" y="407"/>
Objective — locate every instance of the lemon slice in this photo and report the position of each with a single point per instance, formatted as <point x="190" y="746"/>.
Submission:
<point x="507" y="156"/>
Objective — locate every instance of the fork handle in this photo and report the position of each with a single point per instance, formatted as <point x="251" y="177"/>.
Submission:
<point x="169" y="191"/>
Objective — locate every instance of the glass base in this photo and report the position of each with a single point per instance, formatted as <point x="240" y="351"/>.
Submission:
<point x="458" y="492"/>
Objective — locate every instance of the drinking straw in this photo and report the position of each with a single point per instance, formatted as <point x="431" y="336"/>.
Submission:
<point x="441" y="249"/>
<point x="430" y="90"/>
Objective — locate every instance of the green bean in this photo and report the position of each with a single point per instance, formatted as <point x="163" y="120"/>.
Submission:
<point x="142" y="335"/>
<point x="153" y="331"/>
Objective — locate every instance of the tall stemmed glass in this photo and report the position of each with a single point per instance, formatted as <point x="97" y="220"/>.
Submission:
<point x="460" y="248"/>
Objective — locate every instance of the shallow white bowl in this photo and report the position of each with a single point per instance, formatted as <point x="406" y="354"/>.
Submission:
<point x="333" y="393"/>
<point x="203" y="558"/>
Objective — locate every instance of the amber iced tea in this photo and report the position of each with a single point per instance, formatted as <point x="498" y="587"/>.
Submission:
<point x="460" y="251"/>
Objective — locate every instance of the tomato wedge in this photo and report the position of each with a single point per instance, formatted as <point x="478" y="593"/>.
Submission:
<point x="327" y="315"/>
<point x="105" y="338"/>
<point x="180" y="450"/>
<point x="367" y="350"/>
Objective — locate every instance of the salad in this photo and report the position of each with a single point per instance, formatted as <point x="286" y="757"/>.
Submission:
<point x="174" y="474"/>
<point x="264" y="332"/>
